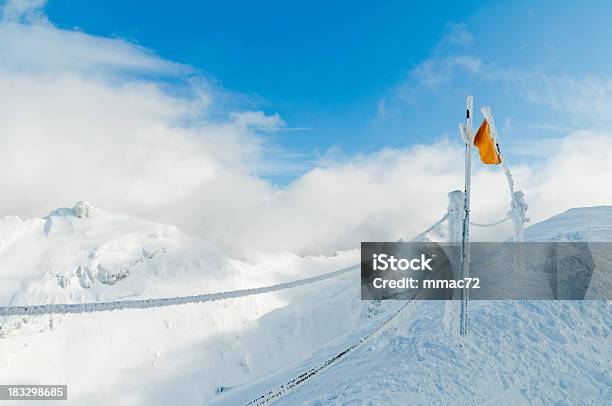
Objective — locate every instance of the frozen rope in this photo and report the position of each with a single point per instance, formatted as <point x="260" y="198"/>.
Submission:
<point x="285" y="388"/>
<point x="489" y="224"/>
<point x="163" y="302"/>
<point x="436" y="224"/>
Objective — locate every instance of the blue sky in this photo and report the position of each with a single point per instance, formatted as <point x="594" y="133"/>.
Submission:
<point x="356" y="78"/>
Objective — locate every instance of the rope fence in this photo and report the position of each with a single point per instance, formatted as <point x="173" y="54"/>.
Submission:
<point x="75" y="308"/>
<point x="489" y="224"/>
<point x="452" y="216"/>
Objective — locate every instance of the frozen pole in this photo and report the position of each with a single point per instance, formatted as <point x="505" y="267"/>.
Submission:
<point x="518" y="207"/>
<point x="467" y="132"/>
<point x="486" y="112"/>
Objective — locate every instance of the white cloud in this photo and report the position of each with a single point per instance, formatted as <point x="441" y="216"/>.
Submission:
<point x="29" y="42"/>
<point x="429" y="76"/>
<point x="258" y="120"/>
<point x="386" y="195"/>
<point x="121" y="145"/>
<point x="458" y="34"/>
<point x="577" y="174"/>
<point x="433" y="72"/>
<point x="23" y="11"/>
<point x="43" y="48"/>
<point x="587" y="100"/>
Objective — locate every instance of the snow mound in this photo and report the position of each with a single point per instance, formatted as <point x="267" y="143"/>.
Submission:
<point x="577" y="224"/>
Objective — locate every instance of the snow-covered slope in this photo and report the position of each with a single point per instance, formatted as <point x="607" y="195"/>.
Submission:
<point x="517" y="352"/>
<point x="579" y="224"/>
<point x="155" y="356"/>
<point x="232" y="351"/>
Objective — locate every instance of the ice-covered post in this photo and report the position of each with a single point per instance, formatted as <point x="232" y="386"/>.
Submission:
<point x="517" y="215"/>
<point x="467" y="133"/>
<point x="456" y="200"/>
<point x="455" y="212"/>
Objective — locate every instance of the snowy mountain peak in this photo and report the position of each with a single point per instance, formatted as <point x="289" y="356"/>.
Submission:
<point x="77" y="254"/>
<point x="81" y="209"/>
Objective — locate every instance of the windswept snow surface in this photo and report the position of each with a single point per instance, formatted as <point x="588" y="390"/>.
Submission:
<point x="230" y="352"/>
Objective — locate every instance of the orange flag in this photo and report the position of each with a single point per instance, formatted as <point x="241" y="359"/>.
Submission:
<point x="486" y="146"/>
